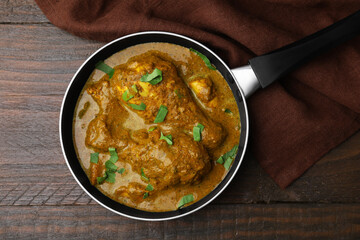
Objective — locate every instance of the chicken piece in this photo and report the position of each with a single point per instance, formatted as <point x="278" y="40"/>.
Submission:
<point x="183" y="113"/>
<point x="134" y="191"/>
<point x="203" y="88"/>
<point x="118" y="125"/>
<point x="100" y="92"/>
<point x="186" y="161"/>
<point x="105" y="130"/>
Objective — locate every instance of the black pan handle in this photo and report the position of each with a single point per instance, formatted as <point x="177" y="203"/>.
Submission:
<point x="274" y="65"/>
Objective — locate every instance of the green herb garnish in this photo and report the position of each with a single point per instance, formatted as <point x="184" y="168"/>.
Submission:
<point x="161" y="114"/>
<point x="228" y="157"/>
<point x="178" y="93"/>
<point x="204" y="58"/>
<point x="227" y="110"/>
<point x="185" y="200"/>
<point x="167" y="138"/>
<point x="113" y="155"/>
<point x="134" y="88"/>
<point x="199" y="125"/>
<point x="197" y="132"/>
<point x="100" y="180"/>
<point x="140" y="107"/>
<point x="110" y="177"/>
<point x="220" y="160"/>
<point x="105" y="68"/>
<point x="152" y="78"/>
<point x="143" y="175"/>
<point x="151" y="129"/>
<point x="145" y="195"/>
<point x="94" y="157"/>
<point x="127" y="96"/>
<point x="110" y="166"/>
<point x="149" y="187"/>
<point x="231" y="153"/>
<point x="228" y="162"/>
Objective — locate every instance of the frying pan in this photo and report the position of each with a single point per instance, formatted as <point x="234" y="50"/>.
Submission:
<point x="259" y="73"/>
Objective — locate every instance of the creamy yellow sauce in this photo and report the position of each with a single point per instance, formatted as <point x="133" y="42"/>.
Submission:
<point x="188" y="65"/>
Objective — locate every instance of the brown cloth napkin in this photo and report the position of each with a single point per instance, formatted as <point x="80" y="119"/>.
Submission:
<point x="293" y="122"/>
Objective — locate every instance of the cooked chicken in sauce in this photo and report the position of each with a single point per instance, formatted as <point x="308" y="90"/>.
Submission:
<point x="155" y="124"/>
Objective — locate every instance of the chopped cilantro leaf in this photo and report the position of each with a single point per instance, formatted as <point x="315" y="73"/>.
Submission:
<point x="231" y="153"/>
<point x="110" y="177"/>
<point x="110" y="166"/>
<point x="228" y="162"/>
<point x="140" y="107"/>
<point x="94" y="157"/>
<point x="151" y="129"/>
<point x="105" y="68"/>
<point x="220" y="160"/>
<point x="185" y="200"/>
<point x="153" y="78"/>
<point x="143" y="176"/>
<point x="127" y="95"/>
<point x="204" y="58"/>
<point x="200" y="126"/>
<point x="113" y="155"/>
<point x="161" y="114"/>
<point x="167" y="138"/>
<point x="149" y="187"/>
<point x="134" y="88"/>
<point x="228" y="157"/>
<point x="197" y="132"/>
<point x="101" y="179"/>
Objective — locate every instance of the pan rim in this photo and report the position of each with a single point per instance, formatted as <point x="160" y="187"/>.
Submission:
<point x="228" y="180"/>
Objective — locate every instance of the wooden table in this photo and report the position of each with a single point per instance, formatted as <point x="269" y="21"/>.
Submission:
<point x="40" y="199"/>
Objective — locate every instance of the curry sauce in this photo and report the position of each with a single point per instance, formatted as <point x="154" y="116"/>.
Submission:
<point x="152" y="131"/>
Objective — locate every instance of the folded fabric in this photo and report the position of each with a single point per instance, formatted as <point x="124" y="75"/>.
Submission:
<point x="293" y="122"/>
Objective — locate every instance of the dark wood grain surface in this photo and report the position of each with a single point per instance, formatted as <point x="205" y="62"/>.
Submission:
<point x="39" y="199"/>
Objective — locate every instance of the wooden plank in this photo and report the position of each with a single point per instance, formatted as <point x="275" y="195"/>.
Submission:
<point x="21" y="11"/>
<point x="274" y="221"/>
<point x="40" y="49"/>
<point x="335" y="178"/>
<point x="34" y="73"/>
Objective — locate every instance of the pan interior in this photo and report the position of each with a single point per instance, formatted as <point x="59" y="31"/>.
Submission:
<point x="75" y="88"/>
